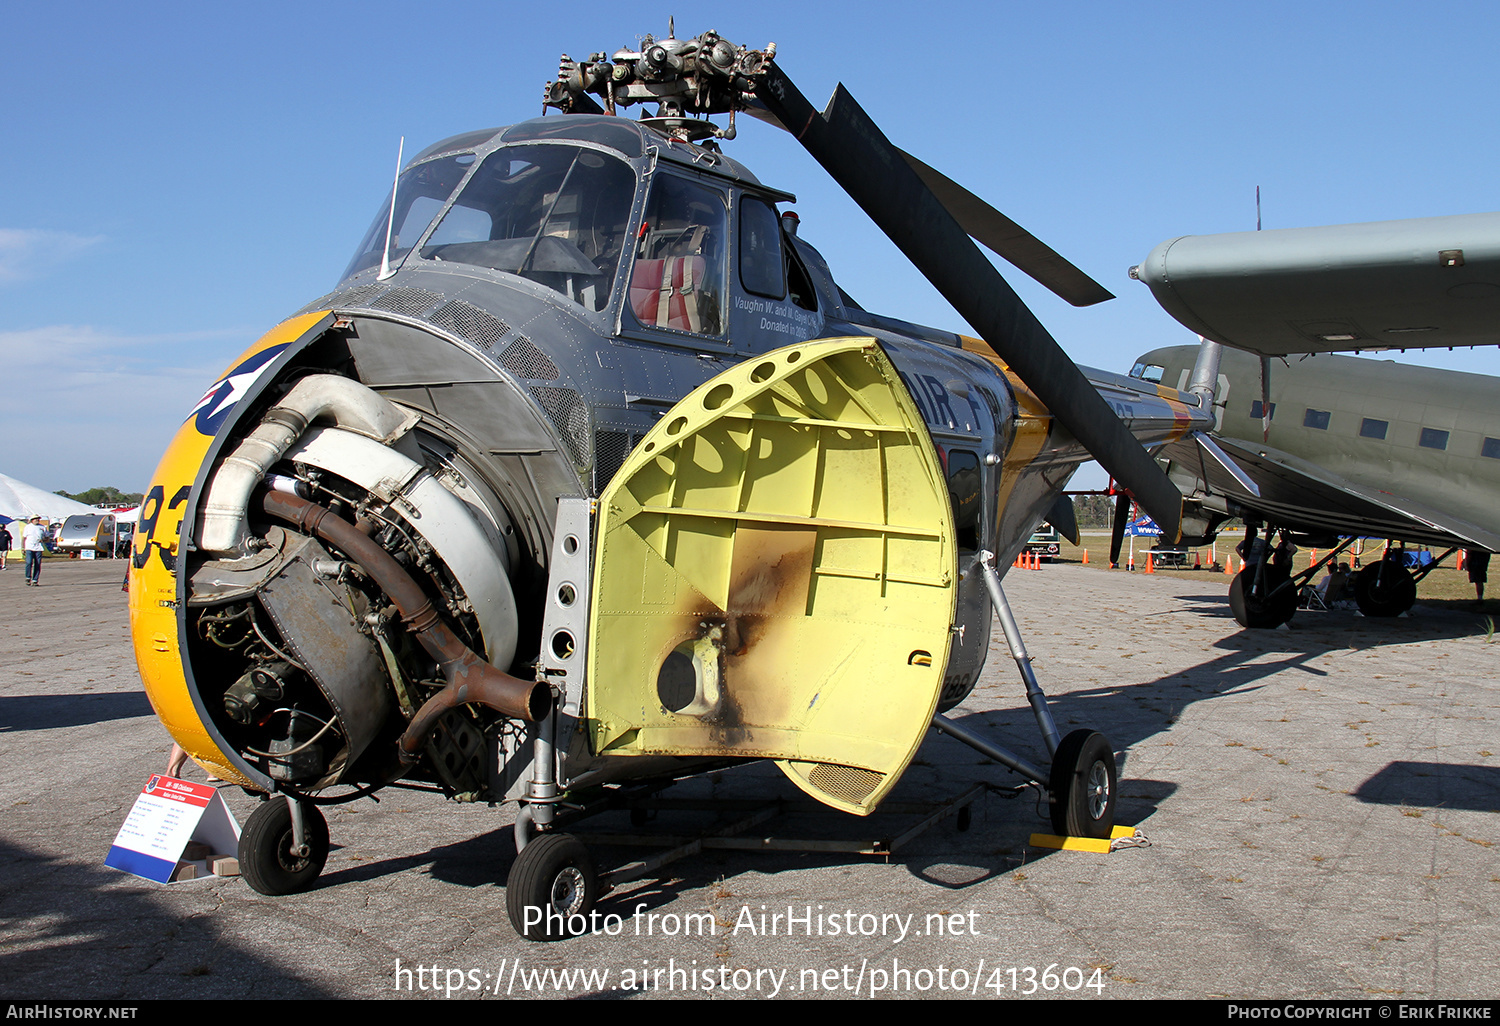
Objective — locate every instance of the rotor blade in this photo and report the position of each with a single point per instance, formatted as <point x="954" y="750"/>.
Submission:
<point x="1117" y="530"/>
<point x="865" y="164"/>
<point x="1002" y="235"/>
<point x="993" y="230"/>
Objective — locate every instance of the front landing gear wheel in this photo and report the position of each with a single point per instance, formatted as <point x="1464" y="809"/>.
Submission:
<point x="267" y="861"/>
<point x="1083" y="785"/>
<point x="552" y="888"/>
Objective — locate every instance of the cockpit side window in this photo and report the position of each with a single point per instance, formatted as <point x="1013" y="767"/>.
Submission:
<point x="762" y="267"/>
<point x="677" y="281"/>
<point x="557" y="215"/>
<point x="420" y="194"/>
<point x="1148" y="372"/>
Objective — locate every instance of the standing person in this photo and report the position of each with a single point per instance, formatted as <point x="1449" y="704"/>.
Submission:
<point x="5" y="543"/>
<point x="31" y="542"/>
<point x="1477" y="561"/>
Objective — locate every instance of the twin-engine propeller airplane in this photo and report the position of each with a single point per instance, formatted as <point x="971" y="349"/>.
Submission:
<point x="1332" y="448"/>
<point x="588" y="473"/>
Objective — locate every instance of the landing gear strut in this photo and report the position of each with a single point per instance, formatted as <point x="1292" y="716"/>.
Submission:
<point x="1082" y="783"/>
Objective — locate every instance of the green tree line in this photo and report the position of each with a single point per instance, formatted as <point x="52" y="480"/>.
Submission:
<point x="97" y="496"/>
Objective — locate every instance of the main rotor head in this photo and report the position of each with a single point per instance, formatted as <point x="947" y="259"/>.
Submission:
<point x="688" y="80"/>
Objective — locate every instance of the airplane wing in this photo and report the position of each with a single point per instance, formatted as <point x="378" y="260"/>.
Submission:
<point x="1412" y="284"/>
<point x="1303" y="496"/>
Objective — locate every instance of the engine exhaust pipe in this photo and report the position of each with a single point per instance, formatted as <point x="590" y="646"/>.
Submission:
<point x="470" y="678"/>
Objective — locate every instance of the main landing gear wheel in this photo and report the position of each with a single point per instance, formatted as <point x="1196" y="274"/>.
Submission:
<point x="1384" y="589"/>
<point x="267" y="861"/>
<point x="1271" y="610"/>
<point x="552" y="888"/>
<point x="1082" y="786"/>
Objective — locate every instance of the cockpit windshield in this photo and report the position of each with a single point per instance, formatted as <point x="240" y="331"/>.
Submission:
<point x="420" y="194"/>
<point x="558" y="215"/>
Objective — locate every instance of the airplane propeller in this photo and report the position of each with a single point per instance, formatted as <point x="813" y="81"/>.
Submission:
<point x="892" y="190"/>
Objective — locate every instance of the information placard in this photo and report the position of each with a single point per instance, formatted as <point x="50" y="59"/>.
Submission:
<point x="167" y="815"/>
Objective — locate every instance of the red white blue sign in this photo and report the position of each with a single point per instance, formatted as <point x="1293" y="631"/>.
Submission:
<point x="168" y="813"/>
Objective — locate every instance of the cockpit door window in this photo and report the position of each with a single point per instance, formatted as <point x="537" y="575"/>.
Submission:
<point x="677" y="280"/>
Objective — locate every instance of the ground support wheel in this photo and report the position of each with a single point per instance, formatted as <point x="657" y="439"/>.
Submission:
<point x="267" y="861"/>
<point x="1384" y="589"/>
<point x="1083" y="786"/>
<point x="1262" y="611"/>
<point x="552" y="888"/>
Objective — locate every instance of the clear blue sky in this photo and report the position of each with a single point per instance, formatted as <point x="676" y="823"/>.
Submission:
<point x="177" y="178"/>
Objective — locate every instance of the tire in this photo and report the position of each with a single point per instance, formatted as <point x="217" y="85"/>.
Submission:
<point x="1384" y="589"/>
<point x="1083" y="785"/>
<point x="1258" y="611"/>
<point x="552" y="888"/>
<point x="266" y="859"/>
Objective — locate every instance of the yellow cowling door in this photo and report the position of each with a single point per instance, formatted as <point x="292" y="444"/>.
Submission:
<point x="775" y="576"/>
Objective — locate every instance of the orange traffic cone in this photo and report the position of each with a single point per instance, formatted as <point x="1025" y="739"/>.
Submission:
<point x="1086" y="557"/>
<point x="1228" y="565"/>
<point x="1460" y="566"/>
<point x="1150" y="566"/>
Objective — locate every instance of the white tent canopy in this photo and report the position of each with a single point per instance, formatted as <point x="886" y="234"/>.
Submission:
<point x="21" y="501"/>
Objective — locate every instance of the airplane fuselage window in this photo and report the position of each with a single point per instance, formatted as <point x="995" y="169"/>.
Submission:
<point x="1373" y="428"/>
<point x="1433" y="438"/>
<point x="1256" y="412"/>
<point x="556" y="214"/>
<point x="1317" y="419"/>
<point x="1490" y="447"/>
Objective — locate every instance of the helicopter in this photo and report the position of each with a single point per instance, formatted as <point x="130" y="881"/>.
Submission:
<point x="588" y="473"/>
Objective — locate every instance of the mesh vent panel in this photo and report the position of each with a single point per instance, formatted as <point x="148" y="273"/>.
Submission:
<point x="847" y="783"/>
<point x="571" y="418"/>
<point x="470" y="323"/>
<point x="526" y="360"/>
<point x="610" y="450"/>
<point x="403" y="299"/>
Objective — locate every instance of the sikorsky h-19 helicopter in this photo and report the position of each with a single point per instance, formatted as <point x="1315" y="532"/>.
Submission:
<point x="587" y="472"/>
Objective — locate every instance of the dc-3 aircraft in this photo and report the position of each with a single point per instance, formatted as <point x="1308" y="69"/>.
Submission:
<point x="588" y="473"/>
<point x="1330" y="447"/>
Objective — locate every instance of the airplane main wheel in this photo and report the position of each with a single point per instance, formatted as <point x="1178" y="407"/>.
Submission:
<point x="1384" y="589"/>
<point x="1261" y="611"/>
<point x="1083" y="786"/>
<point x="266" y="859"/>
<point x="552" y="888"/>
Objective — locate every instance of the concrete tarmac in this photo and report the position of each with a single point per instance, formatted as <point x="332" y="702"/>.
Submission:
<point x="1320" y="802"/>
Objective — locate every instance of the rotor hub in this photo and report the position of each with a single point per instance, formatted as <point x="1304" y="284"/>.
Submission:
<point x="688" y="79"/>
